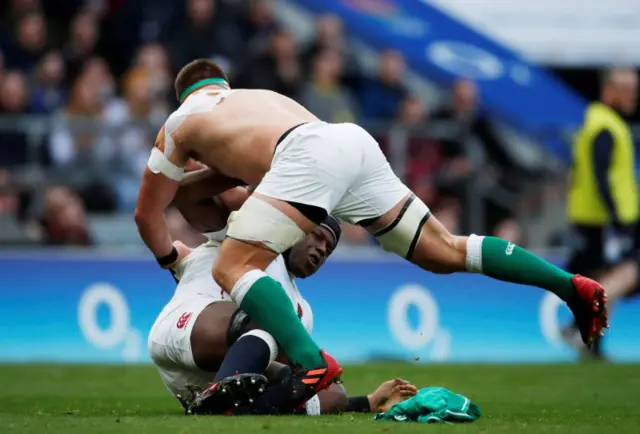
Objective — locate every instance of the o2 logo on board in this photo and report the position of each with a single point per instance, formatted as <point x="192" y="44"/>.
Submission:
<point x="427" y="331"/>
<point x="119" y="331"/>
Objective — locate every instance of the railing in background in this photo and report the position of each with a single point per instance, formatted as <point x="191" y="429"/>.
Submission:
<point x="476" y="190"/>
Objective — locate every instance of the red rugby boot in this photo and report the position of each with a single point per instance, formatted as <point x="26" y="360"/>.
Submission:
<point x="306" y="383"/>
<point x="589" y="309"/>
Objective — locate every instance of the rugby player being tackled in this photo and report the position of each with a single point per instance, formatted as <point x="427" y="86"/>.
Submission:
<point x="304" y="169"/>
<point x="202" y="338"/>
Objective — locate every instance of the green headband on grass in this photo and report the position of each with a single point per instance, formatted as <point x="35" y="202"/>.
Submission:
<point x="201" y="83"/>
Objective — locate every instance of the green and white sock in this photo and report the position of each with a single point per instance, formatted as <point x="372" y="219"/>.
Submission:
<point x="266" y="302"/>
<point x="502" y="260"/>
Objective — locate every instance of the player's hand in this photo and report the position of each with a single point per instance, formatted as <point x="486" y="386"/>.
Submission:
<point x="183" y="252"/>
<point x="389" y="393"/>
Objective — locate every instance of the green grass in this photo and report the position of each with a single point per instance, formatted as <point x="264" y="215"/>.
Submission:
<point x="130" y="399"/>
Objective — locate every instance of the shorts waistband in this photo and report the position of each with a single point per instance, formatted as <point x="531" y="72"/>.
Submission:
<point x="289" y="131"/>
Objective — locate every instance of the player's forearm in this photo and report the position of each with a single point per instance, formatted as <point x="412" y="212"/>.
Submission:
<point x="154" y="232"/>
<point x="196" y="175"/>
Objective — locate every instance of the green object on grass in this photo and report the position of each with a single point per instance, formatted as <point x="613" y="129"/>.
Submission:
<point x="433" y="405"/>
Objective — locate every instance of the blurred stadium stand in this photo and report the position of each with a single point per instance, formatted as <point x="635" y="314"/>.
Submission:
<point x="85" y="86"/>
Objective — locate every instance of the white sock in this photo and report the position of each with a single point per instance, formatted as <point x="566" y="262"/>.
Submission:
<point x="474" y="253"/>
<point x="244" y="284"/>
<point x="268" y="339"/>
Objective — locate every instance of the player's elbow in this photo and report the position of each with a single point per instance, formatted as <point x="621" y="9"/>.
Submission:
<point x="333" y="400"/>
<point x="142" y="216"/>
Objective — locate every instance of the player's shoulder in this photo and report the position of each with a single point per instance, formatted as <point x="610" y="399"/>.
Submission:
<point x="170" y="124"/>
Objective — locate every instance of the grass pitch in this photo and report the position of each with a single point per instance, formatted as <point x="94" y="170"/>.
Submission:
<point x="130" y="399"/>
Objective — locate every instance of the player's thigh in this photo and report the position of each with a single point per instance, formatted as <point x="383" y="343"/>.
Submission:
<point x="258" y="232"/>
<point x="401" y="222"/>
<point x="412" y="232"/>
<point x="170" y="338"/>
<point x="377" y="195"/>
<point x="209" y="335"/>
<point x="313" y="168"/>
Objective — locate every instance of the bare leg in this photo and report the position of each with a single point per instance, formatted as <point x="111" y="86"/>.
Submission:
<point x="435" y="249"/>
<point x="240" y="266"/>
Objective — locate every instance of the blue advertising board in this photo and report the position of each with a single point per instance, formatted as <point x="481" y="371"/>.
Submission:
<point x="74" y="308"/>
<point x="442" y="48"/>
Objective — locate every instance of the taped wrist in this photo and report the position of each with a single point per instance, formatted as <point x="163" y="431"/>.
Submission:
<point x="169" y="259"/>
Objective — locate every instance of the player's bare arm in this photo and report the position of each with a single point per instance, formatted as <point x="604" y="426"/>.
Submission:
<point x="160" y="183"/>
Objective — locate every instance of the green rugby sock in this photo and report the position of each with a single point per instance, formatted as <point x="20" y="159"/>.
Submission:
<point x="503" y="260"/>
<point x="266" y="302"/>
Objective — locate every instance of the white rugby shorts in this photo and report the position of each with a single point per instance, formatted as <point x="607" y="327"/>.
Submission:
<point x="169" y="346"/>
<point x="337" y="167"/>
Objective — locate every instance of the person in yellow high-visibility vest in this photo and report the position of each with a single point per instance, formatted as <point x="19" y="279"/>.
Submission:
<point x="603" y="203"/>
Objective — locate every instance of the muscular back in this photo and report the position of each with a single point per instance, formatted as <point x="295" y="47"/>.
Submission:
<point x="234" y="131"/>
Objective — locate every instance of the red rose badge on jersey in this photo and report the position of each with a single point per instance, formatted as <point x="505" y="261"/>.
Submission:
<point x="183" y="320"/>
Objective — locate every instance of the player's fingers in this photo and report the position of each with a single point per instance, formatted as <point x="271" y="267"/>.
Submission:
<point x="400" y="381"/>
<point x="405" y="390"/>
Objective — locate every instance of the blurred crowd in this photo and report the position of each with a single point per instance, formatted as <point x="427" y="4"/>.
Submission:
<point x="99" y="75"/>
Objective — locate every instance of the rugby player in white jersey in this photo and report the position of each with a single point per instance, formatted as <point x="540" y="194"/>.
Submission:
<point x="201" y="335"/>
<point x="303" y="169"/>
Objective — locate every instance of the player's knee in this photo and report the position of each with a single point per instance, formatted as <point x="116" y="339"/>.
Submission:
<point x="420" y="238"/>
<point x="333" y="400"/>
<point x="403" y="234"/>
<point x="223" y="273"/>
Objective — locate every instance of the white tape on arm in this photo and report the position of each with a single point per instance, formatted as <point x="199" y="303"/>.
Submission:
<point x="158" y="163"/>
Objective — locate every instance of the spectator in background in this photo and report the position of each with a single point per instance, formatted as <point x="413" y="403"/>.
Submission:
<point x="153" y="59"/>
<point x="324" y="96"/>
<point x="83" y="37"/>
<point x="78" y="149"/>
<point x="29" y="43"/>
<point x="204" y="35"/>
<point x="423" y="154"/>
<point x="449" y="212"/>
<point x="330" y="36"/>
<point x="14" y="101"/>
<point x="509" y="230"/>
<point x="380" y="97"/>
<point x="355" y="235"/>
<point x="132" y="124"/>
<point x="64" y="219"/>
<point x="47" y="92"/>
<point x="96" y="72"/>
<point x="16" y="9"/>
<point x="256" y="25"/>
<point x="475" y="136"/>
<point x="9" y="201"/>
<point x="278" y="69"/>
